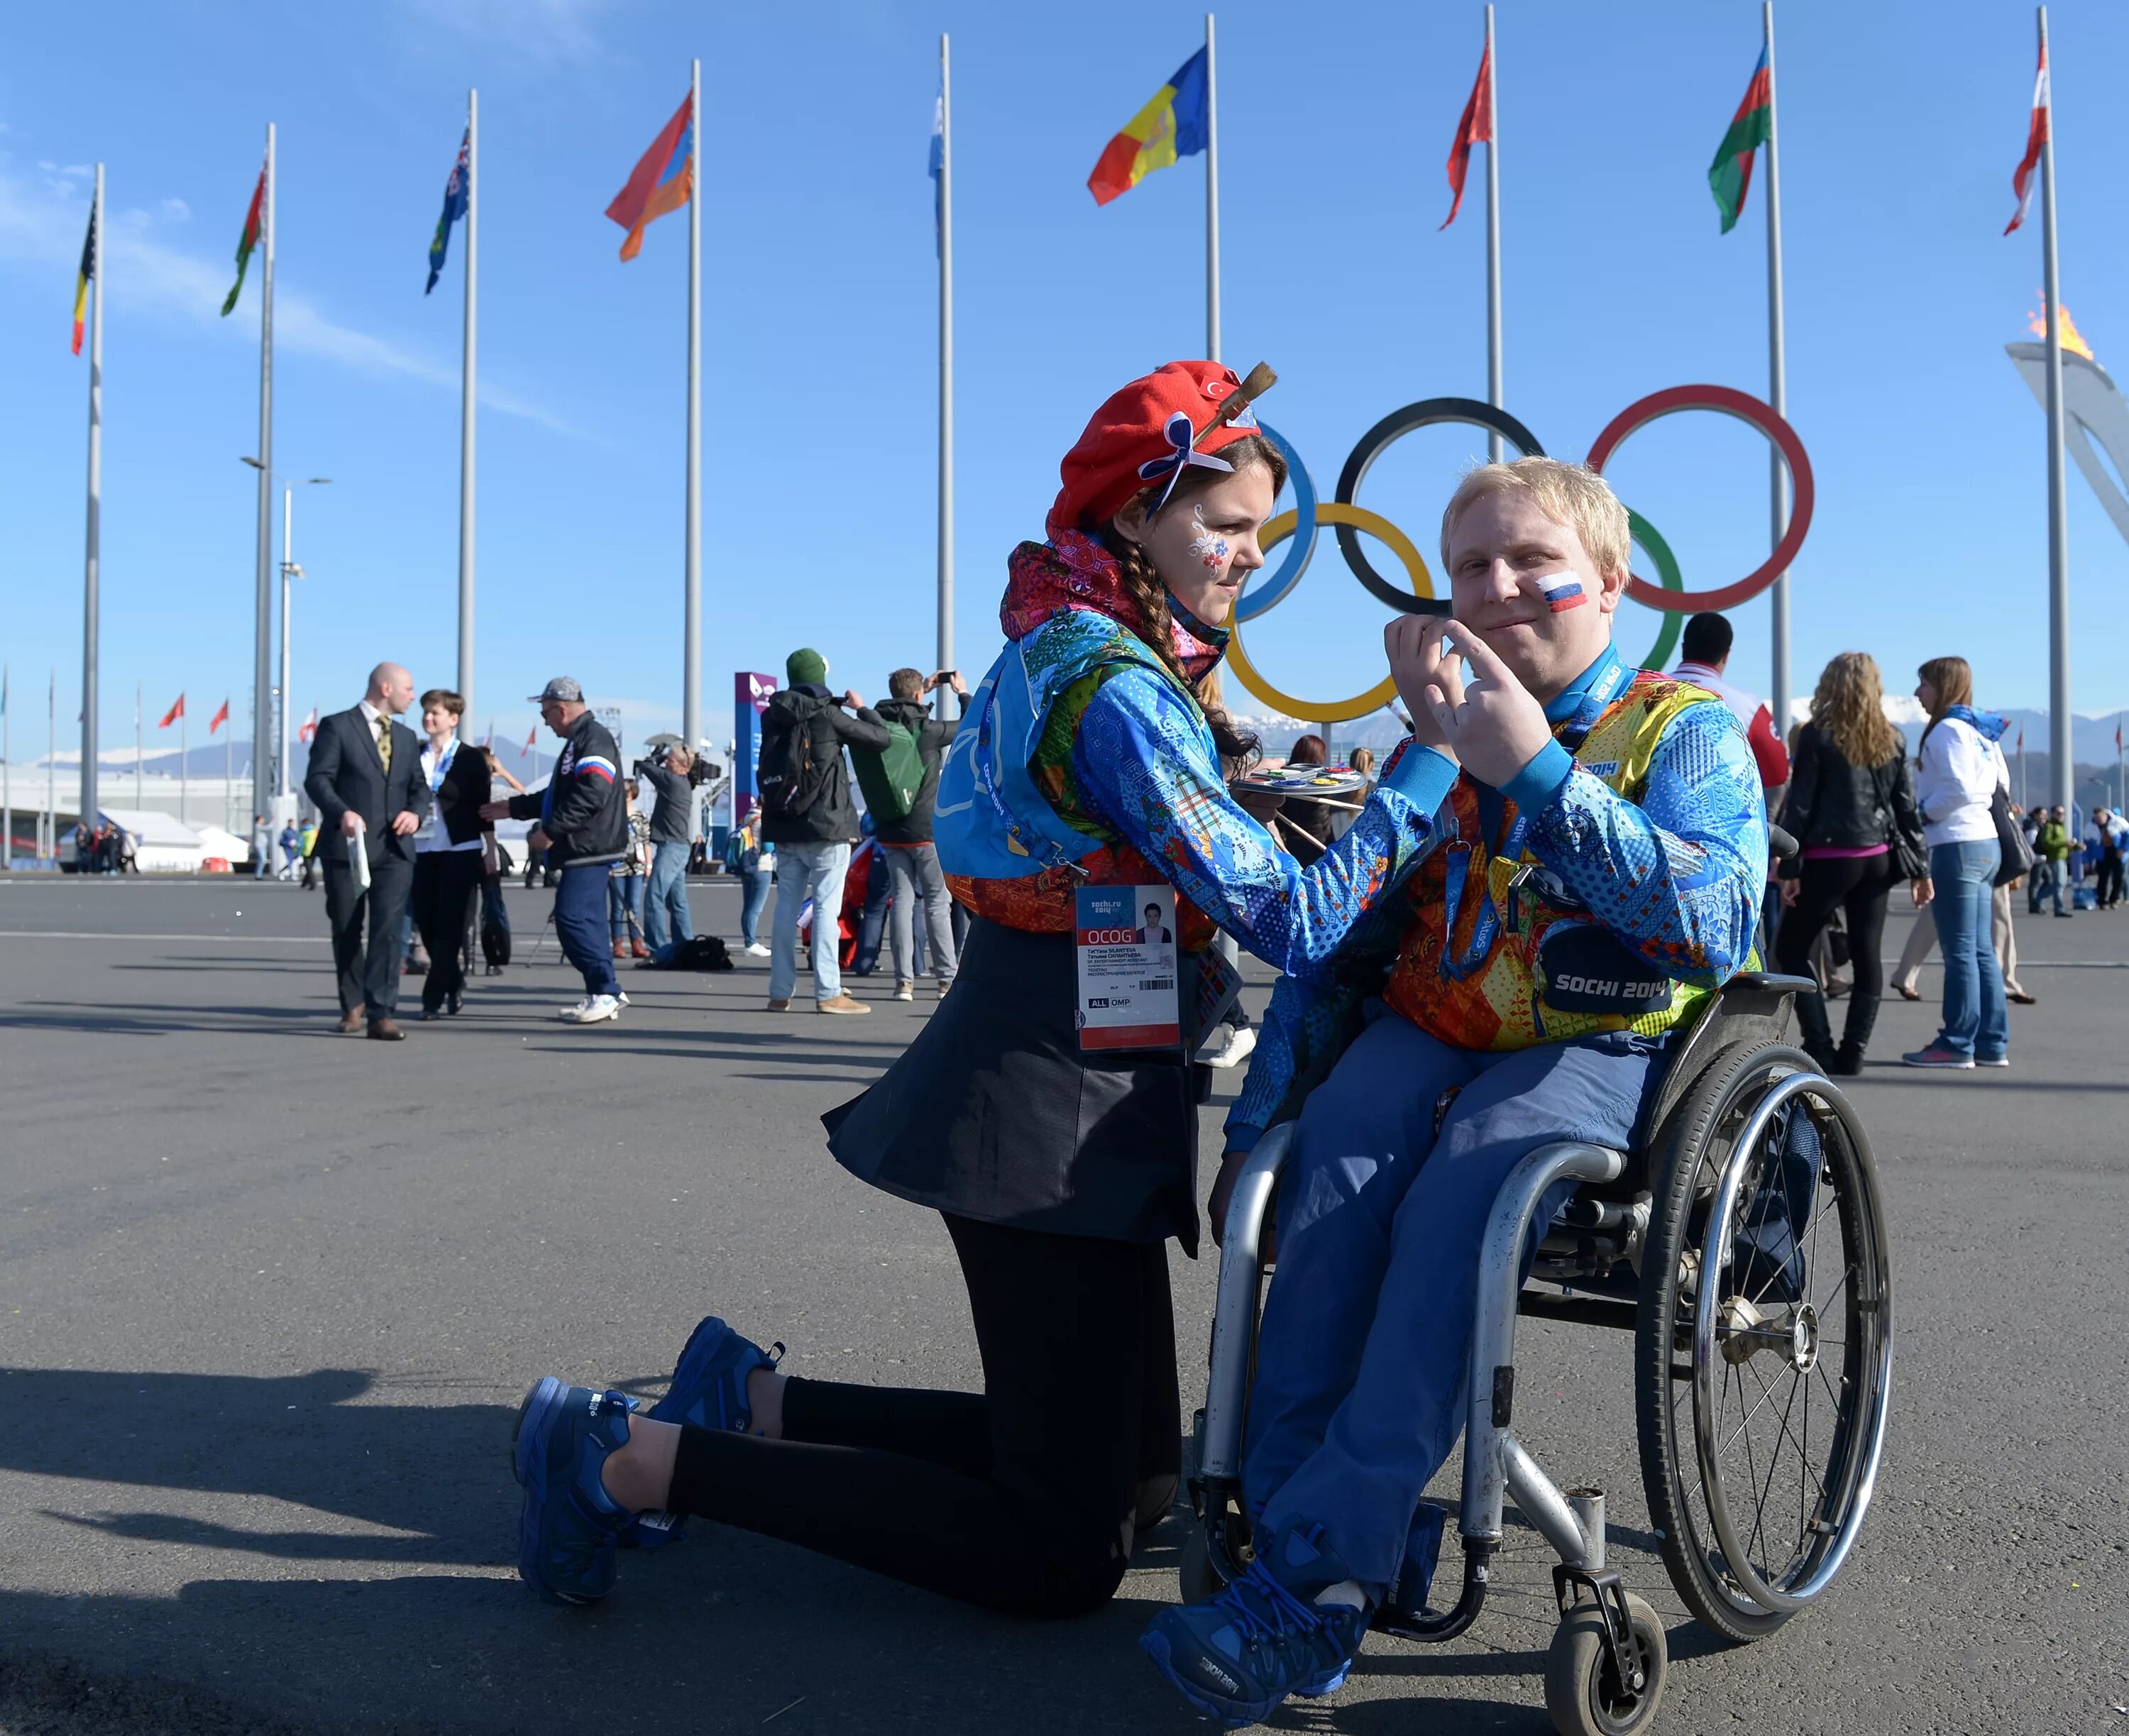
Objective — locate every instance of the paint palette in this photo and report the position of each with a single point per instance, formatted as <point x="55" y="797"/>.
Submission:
<point x="1306" y="782"/>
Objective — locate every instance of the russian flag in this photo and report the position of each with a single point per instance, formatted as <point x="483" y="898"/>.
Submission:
<point x="1172" y="125"/>
<point x="1563" y="591"/>
<point x="662" y="179"/>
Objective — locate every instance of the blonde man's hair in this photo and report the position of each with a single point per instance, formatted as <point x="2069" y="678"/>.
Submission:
<point x="1570" y="495"/>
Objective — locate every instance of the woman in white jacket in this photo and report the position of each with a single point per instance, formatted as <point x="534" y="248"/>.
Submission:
<point x="1959" y="771"/>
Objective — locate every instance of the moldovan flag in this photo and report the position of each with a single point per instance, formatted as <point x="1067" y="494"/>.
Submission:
<point x="82" y="281"/>
<point x="245" y="242"/>
<point x="174" y="714"/>
<point x="1730" y="175"/>
<point x="662" y="179"/>
<point x="1475" y="128"/>
<point x="2036" y="136"/>
<point x="1172" y="125"/>
<point x="219" y="718"/>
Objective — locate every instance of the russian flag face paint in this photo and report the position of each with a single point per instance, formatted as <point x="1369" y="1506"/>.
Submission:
<point x="1562" y="591"/>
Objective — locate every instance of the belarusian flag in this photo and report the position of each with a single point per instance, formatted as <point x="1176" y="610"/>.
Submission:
<point x="1730" y="175"/>
<point x="250" y="240"/>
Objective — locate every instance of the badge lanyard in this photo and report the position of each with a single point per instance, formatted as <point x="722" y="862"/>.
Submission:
<point x="436" y="782"/>
<point x="1609" y="677"/>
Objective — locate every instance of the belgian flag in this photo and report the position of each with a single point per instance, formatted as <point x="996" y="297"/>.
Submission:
<point x="81" y="282"/>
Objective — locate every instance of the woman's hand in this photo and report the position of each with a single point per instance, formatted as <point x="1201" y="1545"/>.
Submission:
<point x="1791" y="890"/>
<point x="1922" y="891"/>
<point x="1223" y="1193"/>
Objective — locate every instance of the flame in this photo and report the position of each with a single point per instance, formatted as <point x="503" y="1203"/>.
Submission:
<point x="2073" y="340"/>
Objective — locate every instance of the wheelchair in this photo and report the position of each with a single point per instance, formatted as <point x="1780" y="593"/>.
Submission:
<point x="1743" y="1247"/>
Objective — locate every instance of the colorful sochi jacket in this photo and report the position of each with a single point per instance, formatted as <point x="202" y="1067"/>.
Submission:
<point x="1636" y="873"/>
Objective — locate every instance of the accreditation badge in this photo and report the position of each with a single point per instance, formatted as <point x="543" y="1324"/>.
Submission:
<point x="1127" y="968"/>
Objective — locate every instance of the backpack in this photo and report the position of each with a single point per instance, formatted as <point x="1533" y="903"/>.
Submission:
<point x="704" y="952"/>
<point x="796" y="775"/>
<point x="891" y="776"/>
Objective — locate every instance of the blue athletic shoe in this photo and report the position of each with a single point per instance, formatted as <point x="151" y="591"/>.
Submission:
<point x="708" y="1389"/>
<point x="1237" y="1655"/>
<point x="569" y="1525"/>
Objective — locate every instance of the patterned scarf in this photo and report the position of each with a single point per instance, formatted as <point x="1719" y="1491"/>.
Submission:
<point x="1074" y="570"/>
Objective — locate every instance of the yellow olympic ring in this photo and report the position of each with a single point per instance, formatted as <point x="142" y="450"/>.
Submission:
<point x="1334" y="710"/>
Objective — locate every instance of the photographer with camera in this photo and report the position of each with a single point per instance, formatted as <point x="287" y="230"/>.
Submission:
<point x="673" y="772"/>
<point x="901" y="783"/>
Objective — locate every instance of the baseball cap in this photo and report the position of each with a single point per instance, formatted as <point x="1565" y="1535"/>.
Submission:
<point x="562" y="687"/>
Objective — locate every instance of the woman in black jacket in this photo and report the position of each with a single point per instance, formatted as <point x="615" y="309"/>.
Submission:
<point x="1852" y="806"/>
<point x="448" y="855"/>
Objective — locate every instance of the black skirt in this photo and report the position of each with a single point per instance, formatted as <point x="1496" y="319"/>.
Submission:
<point x="994" y="1113"/>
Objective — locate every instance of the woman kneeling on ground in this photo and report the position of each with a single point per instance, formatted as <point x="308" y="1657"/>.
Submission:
<point x="1086" y="773"/>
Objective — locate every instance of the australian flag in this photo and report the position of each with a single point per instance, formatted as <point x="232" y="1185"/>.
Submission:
<point x="456" y="191"/>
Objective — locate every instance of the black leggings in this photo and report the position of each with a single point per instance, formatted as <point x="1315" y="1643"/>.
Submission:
<point x="1024" y="1498"/>
<point x="1858" y="885"/>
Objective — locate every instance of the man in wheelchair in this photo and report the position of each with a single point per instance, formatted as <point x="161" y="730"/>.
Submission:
<point x="1603" y="847"/>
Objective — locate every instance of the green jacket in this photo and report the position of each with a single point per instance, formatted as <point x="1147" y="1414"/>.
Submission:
<point x="2054" y="842"/>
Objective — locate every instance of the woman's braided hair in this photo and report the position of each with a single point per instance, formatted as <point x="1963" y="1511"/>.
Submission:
<point x="1238" y="748"/>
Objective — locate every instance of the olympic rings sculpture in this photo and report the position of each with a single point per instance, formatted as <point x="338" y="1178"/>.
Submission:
<point x="1348" y="518"/>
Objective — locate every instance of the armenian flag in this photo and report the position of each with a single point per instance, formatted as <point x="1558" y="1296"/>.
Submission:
<point x="1730" y="175"/>
<point x="245" y="242"/>
<point x="662" y="179"/>
<point x="1174" y="124"/>
<point x="81" y="283"/>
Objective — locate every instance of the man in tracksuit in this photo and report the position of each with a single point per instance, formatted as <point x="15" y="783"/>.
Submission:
<point x="583" y="827"/>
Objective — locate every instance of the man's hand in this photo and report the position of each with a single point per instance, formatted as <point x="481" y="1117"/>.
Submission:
<point x="853" y="698"/>
<point x="350" y="824"/>
<point x="404" y="823"/>
<point x="537" y="839"/>
<point x="1489" y="721"/>
<point x="1413" y="645"/>
<point x="495" y="810"/>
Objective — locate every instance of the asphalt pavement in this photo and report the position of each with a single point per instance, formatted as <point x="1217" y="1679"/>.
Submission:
<point x="269" y="1297"/>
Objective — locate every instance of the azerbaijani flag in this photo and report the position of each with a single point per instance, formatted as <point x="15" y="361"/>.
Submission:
<point x="174" y="714"/>
<point x="2036" y="136"/>
<point x="1730" y="175"/>
<point x="662" y="179"/>
<point x="246" y="242"/>
<point x="219" y="718"/>
<point x="1172" y="125"/>
<point x="82" y="281"/>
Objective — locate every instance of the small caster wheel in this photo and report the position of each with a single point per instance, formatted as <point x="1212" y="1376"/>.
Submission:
<point x="1200" y="1579"/>
<point x="1584" y="1693"/>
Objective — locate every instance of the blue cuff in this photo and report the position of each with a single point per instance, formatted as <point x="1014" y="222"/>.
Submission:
<point x="1241" y="1136"/>
<point x="1533" y="788"/>
<point x="1422" y="777"/>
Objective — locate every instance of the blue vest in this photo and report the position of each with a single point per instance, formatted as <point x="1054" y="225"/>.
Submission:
<point x="991" y="822"/>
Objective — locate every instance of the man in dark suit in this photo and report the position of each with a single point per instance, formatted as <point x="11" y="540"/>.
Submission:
<point x="365" y="779"/>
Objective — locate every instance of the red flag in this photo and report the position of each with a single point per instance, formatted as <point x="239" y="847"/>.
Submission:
<point x="2036" y="136"/>
<point x="310" y="729"/>
<point x="174" y="714"/>
<point x="2117" y="738"/>
<point x="662" y="179"/>
<point x="1475" y="128"/>
<point x="531" y="736"/>
<point x="219" y="718"/>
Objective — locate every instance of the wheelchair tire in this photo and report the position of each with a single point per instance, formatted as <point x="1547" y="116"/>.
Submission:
<point x="1772" y="1342"/>
<point x="1583" y="1694"/>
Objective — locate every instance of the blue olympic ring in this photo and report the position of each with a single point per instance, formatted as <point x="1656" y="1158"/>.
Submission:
<point x="1268" y="593"/>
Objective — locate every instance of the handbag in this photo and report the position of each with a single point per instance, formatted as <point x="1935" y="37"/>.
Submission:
<point x="1910" y="859"/>
<point x="2010" y="839"/>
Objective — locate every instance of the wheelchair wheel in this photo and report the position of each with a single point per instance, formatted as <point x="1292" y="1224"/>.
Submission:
<point x="1582" y="1692"/>
<point x="1763" y="1360"/>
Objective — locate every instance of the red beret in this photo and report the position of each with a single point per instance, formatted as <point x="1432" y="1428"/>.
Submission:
<point x="1101" y="473"/>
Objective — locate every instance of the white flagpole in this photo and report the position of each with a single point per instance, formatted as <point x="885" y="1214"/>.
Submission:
<point x="51" y="763"/>
<point x="184" y="767"/>
<point x="466" y="401"/>
<point x="228" y="772"/>
<point x="92" y="564"/>
<point x="946" y="634"/>
<point x="1495" y="449"/>
<point x="140" y="764"/>
<point x="6" y="771"/>
<point x="691" y="680"/>
<point x="1212" y="200"/>
<point x="2062" y="772"/>
<point x="1777" y="392"/>
<point x="262" y="666"/>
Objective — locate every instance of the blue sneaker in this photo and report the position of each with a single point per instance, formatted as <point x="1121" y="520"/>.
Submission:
<point x="708" y="1389"/>
<point x="1237" y="1655"/>
<point x="568" y="1529"/>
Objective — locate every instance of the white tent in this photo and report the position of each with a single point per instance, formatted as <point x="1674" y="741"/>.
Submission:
<point x="216" y="842"/>
<point x="162" y="845"/>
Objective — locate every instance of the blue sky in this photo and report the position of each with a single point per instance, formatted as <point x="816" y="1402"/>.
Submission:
<point x="1901" y="124"/>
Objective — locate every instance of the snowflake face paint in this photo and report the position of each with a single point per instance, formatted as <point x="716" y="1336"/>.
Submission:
<point x="1209" y="546"/>
<point x="1562" y="591"/>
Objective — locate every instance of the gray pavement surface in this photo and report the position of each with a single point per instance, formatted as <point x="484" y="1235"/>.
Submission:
<point x="269" y="1298"/>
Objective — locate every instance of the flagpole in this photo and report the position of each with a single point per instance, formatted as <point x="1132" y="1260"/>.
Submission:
<point x="466" y="401"/>
<point x="228" y="770"/>
<point x="945" y="637"/>
<point x="287" y="588"/>
<point x="262" y="666"/>
<point x="51" y="762"/>
<point x="1495" y="449"/>
<point x="92" y="561"/>
<point x="140" y="762"/>
<point x="185" y="769"/>
<point x="7" y="772"/>
<point x="1778" y="474"/>
<point x="691" y="680"/>
<point x="2063" y="772"/>
<point x="1212" y="200"/>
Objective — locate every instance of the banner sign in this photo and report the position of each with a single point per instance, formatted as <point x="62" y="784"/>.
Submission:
<point x="750" y="697"/>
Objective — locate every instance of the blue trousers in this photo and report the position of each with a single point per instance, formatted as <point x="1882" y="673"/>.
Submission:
<point x="1360" y="1360"/>
<point x="1976" y="1020"/>
<point x="666" y="916"/>
<point x="580" y="925"/>
<point x="754" y="893"/>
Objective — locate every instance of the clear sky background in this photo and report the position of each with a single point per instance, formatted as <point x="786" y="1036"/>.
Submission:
<point x="1900" y="126"/>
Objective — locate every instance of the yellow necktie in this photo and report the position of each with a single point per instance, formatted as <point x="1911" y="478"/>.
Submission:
<point x="384" y="741"/>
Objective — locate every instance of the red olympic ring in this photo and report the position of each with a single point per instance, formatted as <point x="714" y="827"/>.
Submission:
<point x="1746" y="409"/>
